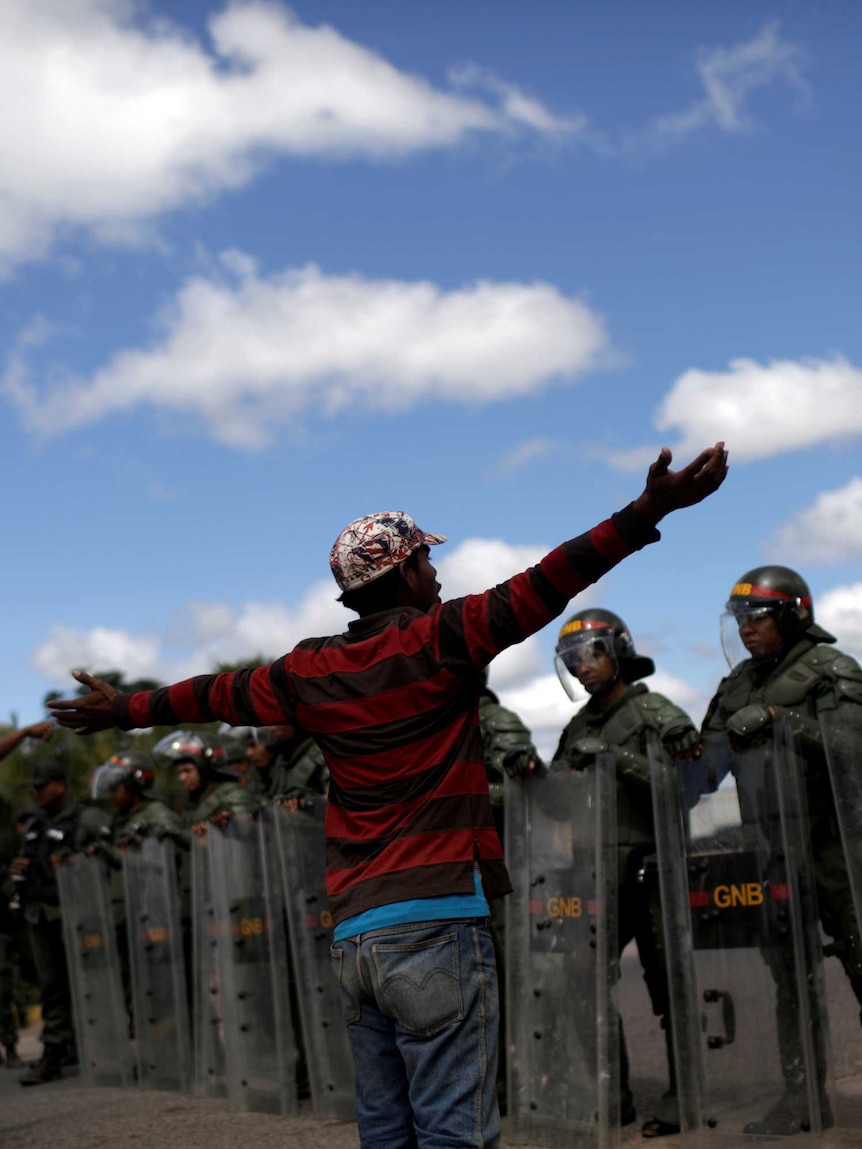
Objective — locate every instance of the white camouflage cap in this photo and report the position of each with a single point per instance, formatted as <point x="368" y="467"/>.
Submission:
<point x="371" y="546"/>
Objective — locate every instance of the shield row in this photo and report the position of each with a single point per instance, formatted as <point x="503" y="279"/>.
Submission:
<point x="746" y="873"/>
<point x="243" y="922"/>
<point x="742" y="943"/>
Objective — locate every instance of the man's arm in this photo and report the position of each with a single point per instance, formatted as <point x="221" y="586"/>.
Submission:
<point x="473" y="630"/>
<point x="11" y="741"/>
<point x="261" y="697"/>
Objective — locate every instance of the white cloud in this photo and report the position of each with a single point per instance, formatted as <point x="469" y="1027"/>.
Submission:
<point x="101" y="648"/>
<point x="760" y="410"/>
<point x="244" y="353"/>
<point x="729" y="76"/>
<point x="525" y="453"/>
<point x="544" y="707"/>
<point x="119" y="117"/>
<point x="516" y="104"/>
<point x="829" y="531"/>
<point x="840" y="611"/>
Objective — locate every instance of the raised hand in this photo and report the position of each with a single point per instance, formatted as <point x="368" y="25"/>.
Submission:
<point x="668" y="490"/>
<point x="42" y="730"/>
<point x="90" y="712"/>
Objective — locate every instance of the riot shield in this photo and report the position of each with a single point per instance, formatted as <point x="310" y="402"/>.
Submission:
<point x="838" y="869"/>
<point x="101" y="1021"/>
<point x="740" y="921"/>
<point x="210" y="1072"/>
<point x="561" y="958"/>
<point x="302" y="857"/>
<point x="260" y="1048"/>
<point x="158" y="974"/>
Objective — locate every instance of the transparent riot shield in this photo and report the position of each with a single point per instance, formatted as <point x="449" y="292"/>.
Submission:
<point x="101" y="1020"/>
<point x="744" y="959"/>
<point x="561" y="958"/>
<point x="838" y="869"/>
<point x="158" y="975"/>
<point x="301" y="853"/>
<point x="259" y="1043"/>
<point x="210" y="1070"/>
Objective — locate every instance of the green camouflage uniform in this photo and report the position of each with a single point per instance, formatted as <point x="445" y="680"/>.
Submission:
<point x="623" y="729"/>
<point x="9" y="931"/>
<point x="800" y="683"/>
<point x="69" y="831"/>
<point x="152" y="818"/>
<point x="507" y="746"/>
<point x="218" y="797"/>
<point x="298" y="771"/>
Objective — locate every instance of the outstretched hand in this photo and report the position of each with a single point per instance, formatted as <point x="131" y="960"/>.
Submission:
<point x="668" y="490"/>
<point x="90" y="712"/>
<point x="42" y="730"/>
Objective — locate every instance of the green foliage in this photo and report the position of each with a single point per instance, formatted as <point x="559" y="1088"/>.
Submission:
<point x="243" y="664"/>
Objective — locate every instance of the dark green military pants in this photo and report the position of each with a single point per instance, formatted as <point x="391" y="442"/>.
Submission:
<point x="45" y="939"/>
<point x="8" y="978"/>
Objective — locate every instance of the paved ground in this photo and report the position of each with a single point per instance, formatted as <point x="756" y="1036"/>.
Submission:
<point x="66" y="1115"/>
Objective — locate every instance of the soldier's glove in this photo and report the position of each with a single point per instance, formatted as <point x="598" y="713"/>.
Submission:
<point x="747" y="724"/>
<point x="682" y="742"/>
<point x="583" y="753"/>
<point x="520" y="761"/>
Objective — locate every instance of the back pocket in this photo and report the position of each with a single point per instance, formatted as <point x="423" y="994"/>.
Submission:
<point x="420" y="983"/>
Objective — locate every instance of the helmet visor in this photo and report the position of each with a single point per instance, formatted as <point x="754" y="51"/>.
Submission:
<point x="738" y="612"/>
<point x="580" y="653"/>
<point x="106" y="778"/>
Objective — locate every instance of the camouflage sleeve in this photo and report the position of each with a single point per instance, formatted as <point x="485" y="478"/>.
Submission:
<point x="674" y="726"/>
<point x="306" y="778"/>
<point x="507" y="744"/>
<point x="714" y="721"/>
<point x="232" y="799"/>
<point x="94" y="834"/>
<point x="841" y="684"/>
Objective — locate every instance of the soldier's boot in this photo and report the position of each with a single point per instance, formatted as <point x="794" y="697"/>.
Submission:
<point x="48" y="1068"/>
<point x="13" y="1061"/>
<point x="665" y="1120"/>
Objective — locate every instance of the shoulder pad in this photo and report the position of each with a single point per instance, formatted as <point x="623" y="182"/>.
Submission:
<point x="497" y="719"/>
<point x="843" y="666"/>
<point x="662" y="712"/>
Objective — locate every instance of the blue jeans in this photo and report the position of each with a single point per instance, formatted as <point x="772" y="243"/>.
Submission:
<point x="422" y="1011"/>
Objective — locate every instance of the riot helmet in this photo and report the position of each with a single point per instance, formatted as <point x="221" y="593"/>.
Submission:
<point x="769" y="592"/>
<point x="135" y="769"/>
<point x="592" y="632"/>
<point x="202" y="749"/>
<point x="243" y="734"/>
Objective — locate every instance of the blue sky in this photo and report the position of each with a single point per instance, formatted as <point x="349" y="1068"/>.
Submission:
<point x="265" y="269"/>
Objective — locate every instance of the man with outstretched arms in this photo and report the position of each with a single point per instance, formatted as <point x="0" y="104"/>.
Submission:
<point x="793" y="674"/>
<point x="412" y="852"/>
<point x="596" y="650"/>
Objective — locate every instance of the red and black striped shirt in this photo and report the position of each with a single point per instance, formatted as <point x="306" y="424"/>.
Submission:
<point x="393" y="704"/>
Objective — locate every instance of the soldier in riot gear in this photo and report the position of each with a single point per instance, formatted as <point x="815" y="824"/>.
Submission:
<point x="595" y="649"/>
<point x="212" y="791"/>
<point x="507" y="747"/>
<point x="289" y="763"/>
<point x="61" y="827"/>
<point x="792" y="674"/>
<point x="126" y="780"/>
<point x="237" y="741"/>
